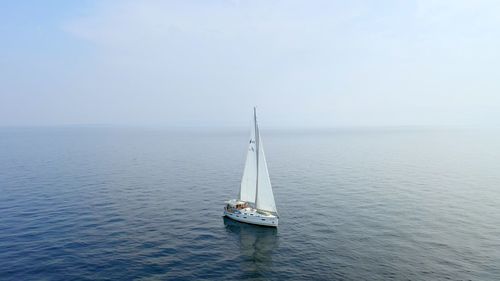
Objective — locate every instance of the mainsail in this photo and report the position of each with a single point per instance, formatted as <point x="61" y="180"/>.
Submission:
<point x="265" y="197"/>
<point x="256" y="184"/>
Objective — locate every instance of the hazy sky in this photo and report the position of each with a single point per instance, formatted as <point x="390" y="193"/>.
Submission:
<point x="201" y="63"/>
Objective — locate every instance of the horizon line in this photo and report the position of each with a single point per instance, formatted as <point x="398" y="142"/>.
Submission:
<point x="160" y="126"/>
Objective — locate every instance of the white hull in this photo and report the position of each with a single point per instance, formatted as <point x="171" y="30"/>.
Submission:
<point x="250" y="215"/>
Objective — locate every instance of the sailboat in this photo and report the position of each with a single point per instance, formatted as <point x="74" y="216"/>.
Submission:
<point x="255" y="203"/>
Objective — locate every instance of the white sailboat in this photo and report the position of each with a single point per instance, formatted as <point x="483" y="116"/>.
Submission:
<point x="255" y="204"/>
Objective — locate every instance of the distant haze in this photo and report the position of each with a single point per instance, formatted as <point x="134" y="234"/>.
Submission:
<point x="206" y="63"/>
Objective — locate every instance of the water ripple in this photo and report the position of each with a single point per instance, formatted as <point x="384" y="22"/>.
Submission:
<point x="146" y="205"/>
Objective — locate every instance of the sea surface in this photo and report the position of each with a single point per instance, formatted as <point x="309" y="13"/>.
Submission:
<point x="146" y="204"/>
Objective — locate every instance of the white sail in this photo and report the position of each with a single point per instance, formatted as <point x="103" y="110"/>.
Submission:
<point x="265" y="197"/>
<point x="248" y="182"/>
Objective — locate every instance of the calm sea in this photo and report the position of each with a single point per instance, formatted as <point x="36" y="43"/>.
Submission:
<point x="146" y="204"/>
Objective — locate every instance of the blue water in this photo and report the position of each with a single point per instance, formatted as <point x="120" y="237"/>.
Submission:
<point x="146" y="204"/>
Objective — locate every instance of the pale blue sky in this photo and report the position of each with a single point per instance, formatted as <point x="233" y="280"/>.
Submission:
<point x="201" y="63"/>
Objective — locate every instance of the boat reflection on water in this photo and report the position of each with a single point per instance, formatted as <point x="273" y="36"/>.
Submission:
<point x="256" y="243"/>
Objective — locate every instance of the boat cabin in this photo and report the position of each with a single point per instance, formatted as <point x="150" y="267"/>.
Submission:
<point x="233" y="205"/>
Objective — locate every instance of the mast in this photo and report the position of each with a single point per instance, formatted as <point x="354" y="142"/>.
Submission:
<point x="257" y="138"/>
